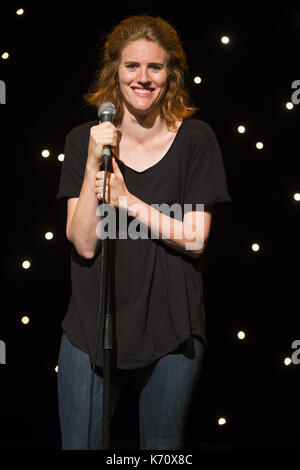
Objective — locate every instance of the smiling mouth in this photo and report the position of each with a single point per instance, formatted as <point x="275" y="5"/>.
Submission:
<point x="142" y="91"/>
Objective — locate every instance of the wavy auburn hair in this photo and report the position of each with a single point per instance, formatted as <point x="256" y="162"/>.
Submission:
<point x="174" y="105"/>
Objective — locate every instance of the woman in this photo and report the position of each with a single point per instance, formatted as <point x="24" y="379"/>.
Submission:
<point x="162" y="157"/>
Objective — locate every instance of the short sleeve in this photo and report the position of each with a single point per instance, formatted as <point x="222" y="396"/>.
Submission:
<point x="206" y="181"/>
<point x="73" y="167"/>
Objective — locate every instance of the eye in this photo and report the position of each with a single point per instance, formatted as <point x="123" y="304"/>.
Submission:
<point x="156" y="67"/>
<point x="130" y="66"/>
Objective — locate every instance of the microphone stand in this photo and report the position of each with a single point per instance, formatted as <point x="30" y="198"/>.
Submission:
<point x="108" y="321"/>
<point x="105" y="112"/>
<point x="105" y="307"/>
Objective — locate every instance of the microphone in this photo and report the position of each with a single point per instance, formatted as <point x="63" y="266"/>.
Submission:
<point x="106" y="112"/>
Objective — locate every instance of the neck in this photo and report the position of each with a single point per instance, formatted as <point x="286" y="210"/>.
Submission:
<point x="139" y="128"/>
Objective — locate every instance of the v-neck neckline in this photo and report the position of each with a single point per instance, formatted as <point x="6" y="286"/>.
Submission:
<point x="163" y="158"/>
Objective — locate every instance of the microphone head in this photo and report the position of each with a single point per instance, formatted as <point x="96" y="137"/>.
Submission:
<point x="106" y="112"/>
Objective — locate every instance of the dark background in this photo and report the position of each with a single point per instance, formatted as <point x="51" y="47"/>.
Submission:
<point x="53" y="58"/>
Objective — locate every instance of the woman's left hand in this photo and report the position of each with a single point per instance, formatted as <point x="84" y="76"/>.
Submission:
<point x="115" y="185"/>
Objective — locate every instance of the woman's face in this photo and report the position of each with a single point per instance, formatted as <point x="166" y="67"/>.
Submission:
<point x="143" y="75"/>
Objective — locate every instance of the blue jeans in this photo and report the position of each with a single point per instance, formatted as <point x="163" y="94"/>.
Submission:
<point x="165" y="390"/>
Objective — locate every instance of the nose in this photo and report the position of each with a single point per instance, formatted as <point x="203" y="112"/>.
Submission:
<point x="143" y="77"/>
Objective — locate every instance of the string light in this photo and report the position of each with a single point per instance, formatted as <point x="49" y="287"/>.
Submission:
<point x="259" y="145"/>
<point x="289" y="105"/>
<point x="225" y="40"/>
<point x="241" y="334"/>
<point x="221" y="421"/>
<point x="45" y="153"/>
<point x="20" y="11"/>
<point x="287" y="361"/>
<point x="56" y="369"/>
<point x="241" y="129"/>
<point x="5" y="55"/>
<point x="197" y="80"/>
<point x="25" y="320"/>
<point x="49" y="235"/>
<point x="255" y="247"/>
<point x="61" y="157"/>
<point x="26" y="264"/>
<point x="297" y="196"/>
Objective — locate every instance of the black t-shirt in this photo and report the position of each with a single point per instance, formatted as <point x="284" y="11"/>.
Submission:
<point x="157" y="291"/>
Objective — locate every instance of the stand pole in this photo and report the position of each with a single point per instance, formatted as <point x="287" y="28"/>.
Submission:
<point x="108" y="328"/>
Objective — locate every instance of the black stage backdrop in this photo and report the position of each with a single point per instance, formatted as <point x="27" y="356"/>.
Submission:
<point x="53" y="56"/>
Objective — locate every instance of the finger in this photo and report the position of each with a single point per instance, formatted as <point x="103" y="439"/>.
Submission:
<point x="99" y="195"/>
<point x="115" y="141"/>
<point x="107" y="124"/>
<point x="100" y="174"/>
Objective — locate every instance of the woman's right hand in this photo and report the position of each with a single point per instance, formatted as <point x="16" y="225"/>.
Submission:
<point x="102" y="134"/>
